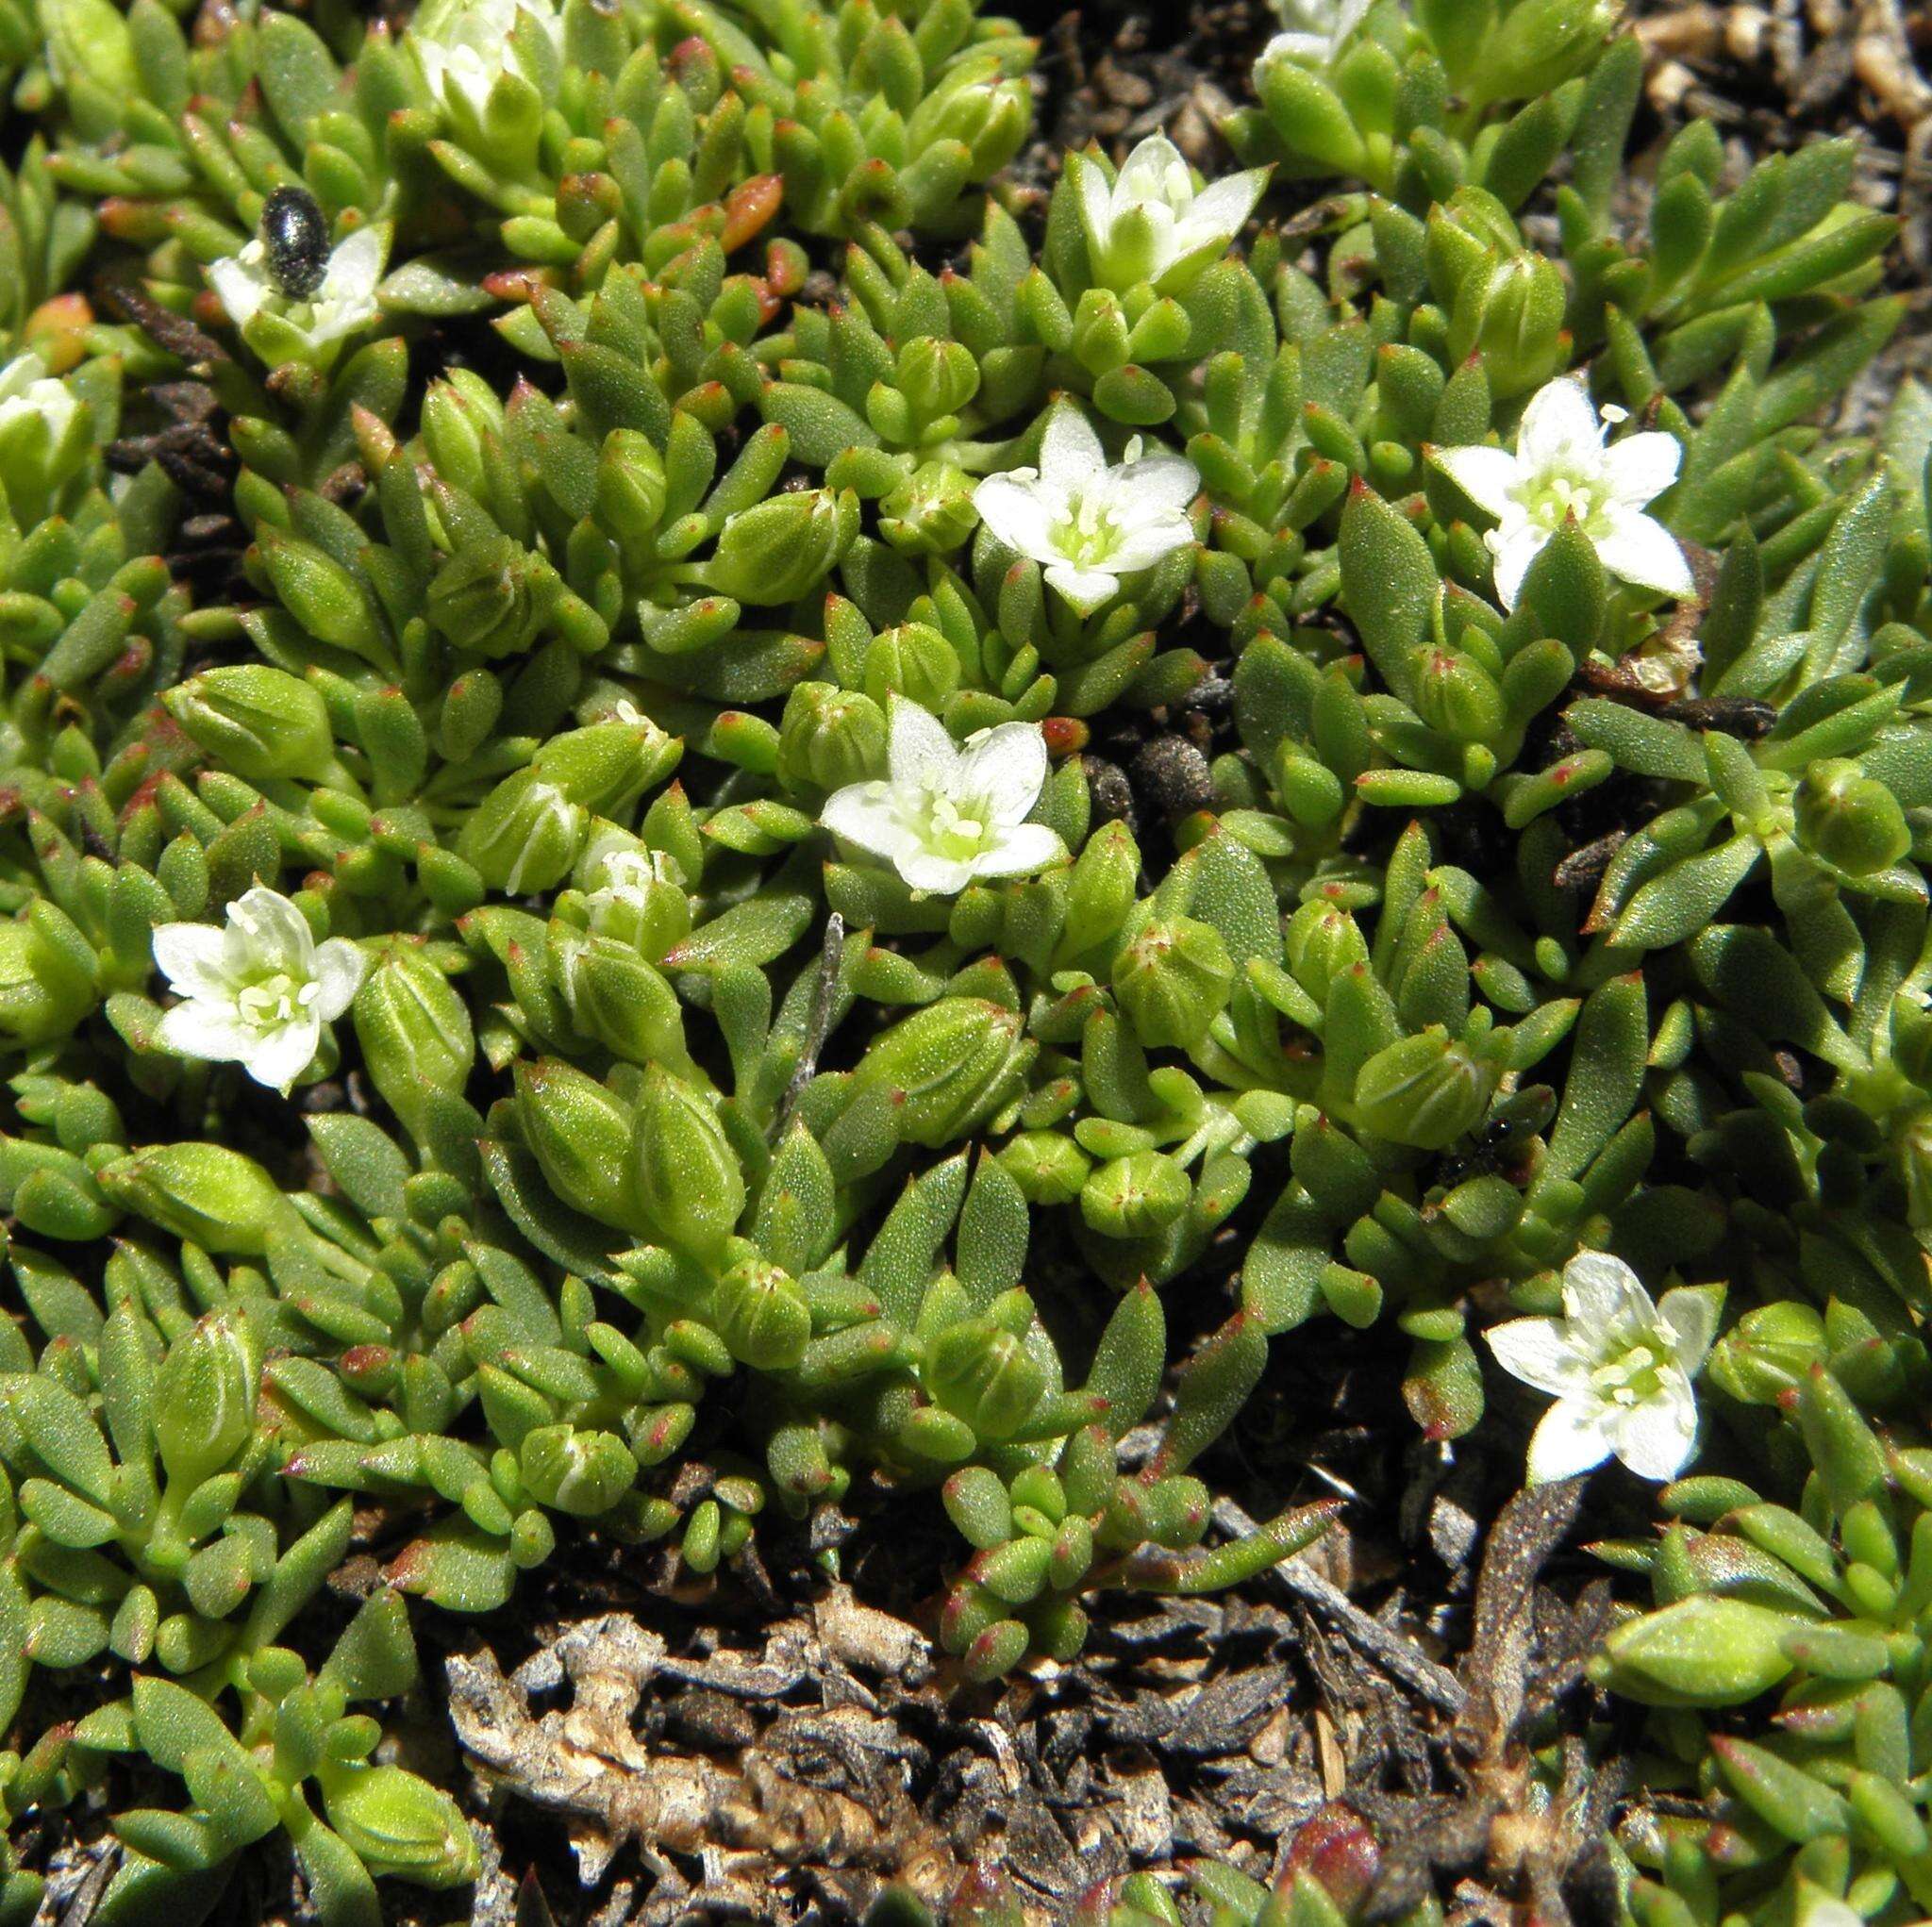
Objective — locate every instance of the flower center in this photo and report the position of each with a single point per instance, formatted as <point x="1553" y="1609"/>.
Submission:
<point x="1634" y="1375"/>
<point x="273" y="1001"/>
<point x="1088" y="535"/>
<point x="953" y="833"/>
<point x="1551" y="500"/>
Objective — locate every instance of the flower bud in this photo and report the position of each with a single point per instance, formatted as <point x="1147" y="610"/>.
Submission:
<point x="761" y="1313"/>
<point x="257" y="722"/>
<point x="1135" y="1196"/>
<point x="952" y="1064"/>
<point x="777" y="550"/>
<point x="1173" y="979"/>
<point x="524" y="836"/>
<point x="605" y="767"/>
<point x="203" y="1397"/>
<point x="491" y="597"/>
<point x="457" y="413"/>
<point x="1512" y="312"/>
<point x="938" y="378"/>
<point x="630" y="486"/>
<point x="687" y="1174"/>
<point x="1768" y="1352"/>
<point x="44" y="992"/>
<point x="913" y="660"/>
<point x="1455" y="694"/>
<point x="579" y="1473"/>
<point x="617" y="998"/>
<point x="1323" y="940"/>
<point x="931" y="513"/>
<point x="1705" y="1650"/>
<point x="985" y="1375"/>
<point x="579" y="1134"/>
<point x="636" y="895"/>
<point x="974" y="105"/>
<point x="398" y="1823"/>
<point x="1540" y="44"/>
<point x="1850" y="819"/>
<point x="1425" y="1091"/>
<point x="415" y="1032"/>
<point x="203" y="1193"/>
<point x="1048" y="1167"/>
<point x="830" y="736"/>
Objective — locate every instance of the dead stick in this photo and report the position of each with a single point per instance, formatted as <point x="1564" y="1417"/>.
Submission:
<point x="819" y="1025"/>
<point x="1398" y="1656"/>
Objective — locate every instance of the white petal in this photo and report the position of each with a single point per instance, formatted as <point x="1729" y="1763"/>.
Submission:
<point x="203" y="1028"/>
<point x="1642" y="551"/>
<point x="1096" y="197"/>
<point x="1070" y="451"/>
<point x="241" y="283"/>
<point x="1601" y="1292"/>
<point x="1692" y="1313"/>
<point x="1084" y="590"/>
<point x="283" y="1054"/>
<point x="1570" y="1439"/>
<point x="1018" y="511"/>
<point x="1153" y="172"/>
<point x="356" y="266"/>
<point x="275" y="931"/>
<point x="337" y="974"/>
<point x="1486" y="476"/>
<point x="1220" y="209"/>
<point x="1515" y="546"/>
<point x="1162" y="483"/>
<point x="21" y="374"/>
<point x="1141" y="546"/>
<point x="1348" y="16"/>
<point x="920" y="754"/>
<point x="1019" y="850"/>
<point x="1003" y="771"/>
<point x="1539" y="1351"/>
<point x="940" y="877"/>
<point x="1657" y="1437"/>
<point x="1295" y="46"/>
<point x="869" y="816"/>
<point x="1559" y="428"/>
<point x="1642" y="466"/>
<point x="190" y="956"/>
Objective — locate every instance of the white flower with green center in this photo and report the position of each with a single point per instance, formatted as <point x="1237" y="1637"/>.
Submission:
<point x="1619" y="1368"/>
<point x="1153" y="225"/>
<point x="1561" y="469"/>
<point x="29" y="393"/>
<point x="1314" y="30"/>
<point x="1085" y="522"/>
<point x="945" y="815"/>
<point x="465" y="45"/>
<point x="281" y="328"/>
<point x="257" y="992"/>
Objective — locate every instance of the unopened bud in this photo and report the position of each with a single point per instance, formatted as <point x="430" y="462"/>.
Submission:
<point x="203" y="1193"/>
<point x="761" y="1313"/>
<point x="1425" y="1091"/>
<point x="1173" y="979"/>
<point x="830" y="736"/>
<point x="1850" y="819"/>
<point x="255" y="720"/>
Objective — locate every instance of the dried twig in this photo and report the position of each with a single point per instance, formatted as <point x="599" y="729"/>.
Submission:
<point x="819" y="1027"/>
<point x="1398" y="1656"/>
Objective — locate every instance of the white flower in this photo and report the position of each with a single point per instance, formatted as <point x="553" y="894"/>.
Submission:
<point x="258" y="992"/>
<point x="945" y="815"/>
<point x="1314" y="29"/>
<point x="465" y="45"/>
<point x="1619" y="1366"/>
<point x="1561" y="469"/>
<point x="27" y="389"/>
<point x="1153" y="225"/>
<point x="345" y="304"/>
<point x="1089" y="524"/>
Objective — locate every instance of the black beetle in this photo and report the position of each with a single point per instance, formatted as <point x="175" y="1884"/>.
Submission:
<point x="295" y="238"/>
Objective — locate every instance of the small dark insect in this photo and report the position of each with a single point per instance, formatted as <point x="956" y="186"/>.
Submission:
<point x="296" y="239"/>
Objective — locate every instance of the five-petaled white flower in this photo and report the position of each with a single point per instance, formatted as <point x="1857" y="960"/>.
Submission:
<point x="1561" y="469"/>
<point x="945" y="815"/>
<point x="1314" y="29"/>
<point x="344" y="305"/>
<point x="28" y="393"/>
<point x="465" y="45"/>
<point x="257" y="992"/>
<point x="1619" y="1366"/>
<point x="1153" y="223"/>
<point x="1089" y="524"/>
